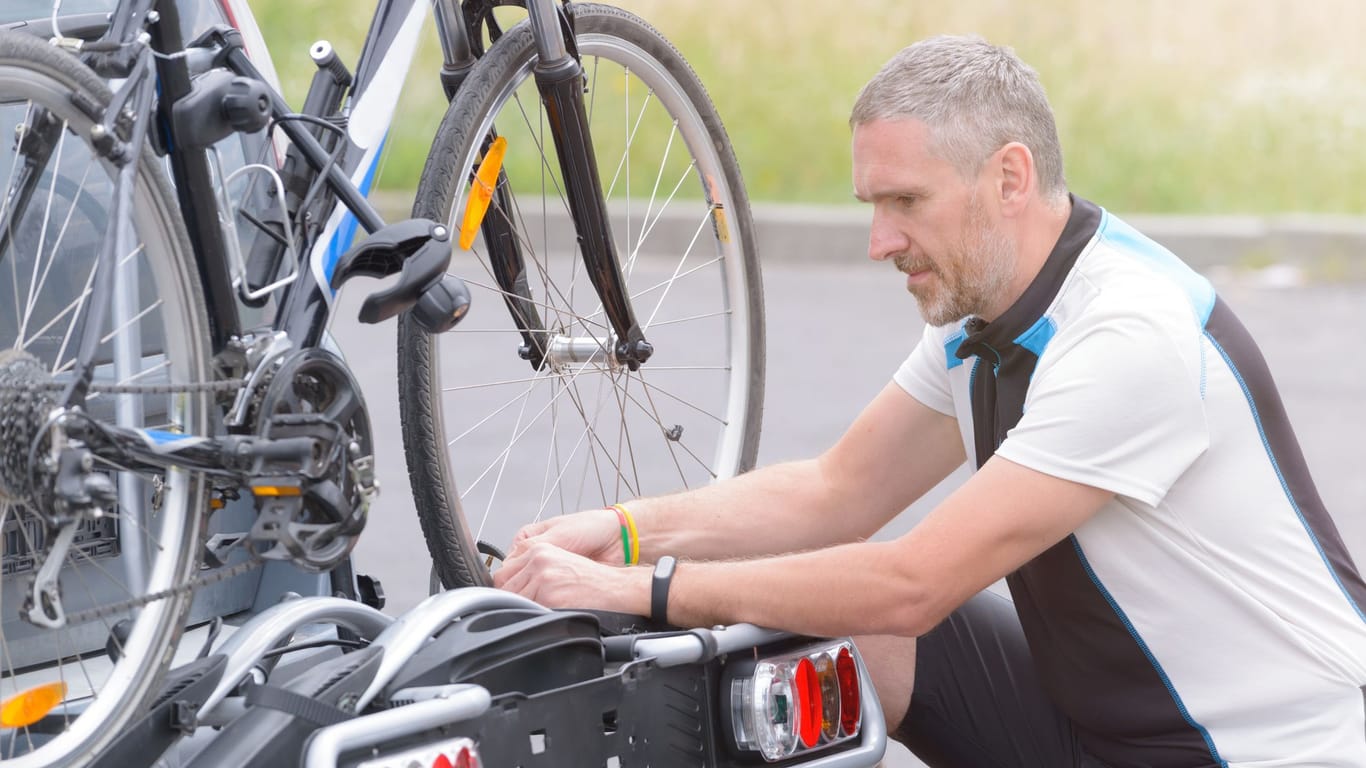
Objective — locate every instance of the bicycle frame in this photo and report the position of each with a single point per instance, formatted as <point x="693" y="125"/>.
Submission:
<point x="383" y="65"/>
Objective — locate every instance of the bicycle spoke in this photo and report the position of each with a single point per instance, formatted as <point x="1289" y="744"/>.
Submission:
<point x="673" y="455"/>
<point x="545" y="161"/>
<point x="61" y="235"/>
<point x="42" y="232"/>
<point x="71" y="327"/>
<point x="654" y="413"/>
<point x="689" y="319"/>
<point x="678" y="399"/>
<point x="105" y="339"/>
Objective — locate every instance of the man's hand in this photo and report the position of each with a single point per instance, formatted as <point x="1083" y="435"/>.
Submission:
<point x="556" y="578"/>
<point x="594" y="533"/>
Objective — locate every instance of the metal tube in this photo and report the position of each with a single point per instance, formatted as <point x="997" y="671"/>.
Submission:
<point x="673" y="650"/>
<point x="247" y="645"/>
<point x="411" y="631"/>
<point x="545" y="28"/>
<point x="450" y="29"/>
<point x="328" y="744"/>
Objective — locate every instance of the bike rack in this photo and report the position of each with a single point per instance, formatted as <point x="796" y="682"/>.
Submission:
<point x="402" y="637"/>
<point x="411" y="631"/>
<point x="248" y="644"/>
<point x="329" y="743"/>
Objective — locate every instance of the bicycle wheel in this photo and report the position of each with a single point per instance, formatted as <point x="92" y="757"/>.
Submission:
<point x="494" y="442"/>
<point x="154" y="334"/>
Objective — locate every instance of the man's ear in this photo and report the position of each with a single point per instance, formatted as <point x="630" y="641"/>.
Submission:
<point x="1017" y="182"/>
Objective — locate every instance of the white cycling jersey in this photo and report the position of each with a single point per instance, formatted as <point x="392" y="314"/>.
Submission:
<point x="1210" y="614"/>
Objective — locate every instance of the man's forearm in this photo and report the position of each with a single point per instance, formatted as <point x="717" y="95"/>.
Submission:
<point x="777" y="509"/>
<point x="862" y="588"/>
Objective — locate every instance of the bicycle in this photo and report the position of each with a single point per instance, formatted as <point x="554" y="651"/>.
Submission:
<point x="141" y="409"/>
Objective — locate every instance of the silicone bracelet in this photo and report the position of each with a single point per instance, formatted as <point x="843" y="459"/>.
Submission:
<point x="635" y="535"/>
<point x="625" y="535"/>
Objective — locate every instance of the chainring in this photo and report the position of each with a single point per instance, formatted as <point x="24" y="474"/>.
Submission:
<point x="313" y="391"/>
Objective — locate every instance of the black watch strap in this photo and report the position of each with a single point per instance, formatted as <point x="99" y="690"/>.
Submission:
<point x="659" y="589"/>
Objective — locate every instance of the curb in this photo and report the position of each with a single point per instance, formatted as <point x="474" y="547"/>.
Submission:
<point x="1284" y="247"/>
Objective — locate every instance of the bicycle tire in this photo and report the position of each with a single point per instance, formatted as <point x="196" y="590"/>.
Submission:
<point x="610" y="35"/>
<point x="157" y="339"/>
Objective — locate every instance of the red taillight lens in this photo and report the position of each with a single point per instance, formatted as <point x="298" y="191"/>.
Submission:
<point x="846" y="671"/>
<point x="466" y="759"/>
<point x="808" y="686"/>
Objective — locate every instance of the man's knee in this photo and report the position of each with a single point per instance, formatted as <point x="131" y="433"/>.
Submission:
<point x="891" y="665"/>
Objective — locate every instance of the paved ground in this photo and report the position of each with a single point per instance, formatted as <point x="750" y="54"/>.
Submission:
<point x="837" y="331"/>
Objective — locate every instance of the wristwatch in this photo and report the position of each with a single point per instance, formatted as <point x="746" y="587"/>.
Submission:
<point x="659" y="589"/>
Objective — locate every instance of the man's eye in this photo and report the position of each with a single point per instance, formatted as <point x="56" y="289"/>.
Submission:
<point x="906" y="201"/>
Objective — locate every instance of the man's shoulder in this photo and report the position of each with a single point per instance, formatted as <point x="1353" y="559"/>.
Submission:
<point x="1127" y="272"/>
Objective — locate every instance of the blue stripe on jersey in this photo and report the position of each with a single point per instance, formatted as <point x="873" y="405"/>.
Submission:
<point x="951" y="345"/>
<point x="1133" y="632"/>
<point x="1261" y="432"/>
<point x="1130" y="240"/>
<point x="1037" y="336"/>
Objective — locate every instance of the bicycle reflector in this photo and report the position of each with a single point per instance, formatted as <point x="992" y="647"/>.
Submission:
<point x="28" y="707"/>
<point x="795" y="702"/>
<point x="481" y="191"/>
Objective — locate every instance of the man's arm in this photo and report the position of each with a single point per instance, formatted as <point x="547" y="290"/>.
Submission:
<point x="1000" y="519"/>
<point x="894" y="452"/>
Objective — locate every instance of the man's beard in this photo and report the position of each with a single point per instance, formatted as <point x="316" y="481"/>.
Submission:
<point x="970" y="279"/>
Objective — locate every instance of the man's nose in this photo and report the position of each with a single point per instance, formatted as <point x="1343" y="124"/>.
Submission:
<point x="885" y="238"/>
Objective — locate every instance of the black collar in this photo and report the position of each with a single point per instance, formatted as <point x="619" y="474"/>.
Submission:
<point x="1001" y="333"/>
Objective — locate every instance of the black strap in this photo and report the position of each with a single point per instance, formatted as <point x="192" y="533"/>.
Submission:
<point x="659" y="589"/>
<point x="298" y="705"/>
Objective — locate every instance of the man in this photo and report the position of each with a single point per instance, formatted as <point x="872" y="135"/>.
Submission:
<point x="1180" y="595"/>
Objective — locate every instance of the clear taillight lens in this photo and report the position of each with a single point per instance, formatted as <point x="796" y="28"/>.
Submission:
<point x="764" y="710"/>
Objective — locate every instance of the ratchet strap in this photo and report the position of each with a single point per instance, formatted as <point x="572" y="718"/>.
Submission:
<point x="298" y="705"/>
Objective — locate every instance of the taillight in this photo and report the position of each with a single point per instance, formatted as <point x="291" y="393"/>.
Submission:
<point x="808" y="702"/>
<point x="830" y="695"/>
<point x="851" y="710"/>
<point x="796" y="701"/>
<point x="450" y="753"/>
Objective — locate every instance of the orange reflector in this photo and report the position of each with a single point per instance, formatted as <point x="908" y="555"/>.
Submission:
<point x="32" y="705"/>
<point x="276" y="490"/>
<point x="830" y="695"/>
<point x="481" y="191"/>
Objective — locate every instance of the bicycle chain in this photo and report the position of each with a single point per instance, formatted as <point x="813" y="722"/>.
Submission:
<point x="212" y="577"/>
<point x="226" y="385"/>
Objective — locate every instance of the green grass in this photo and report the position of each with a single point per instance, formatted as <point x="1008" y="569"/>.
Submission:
<point x="1199" y="106"/>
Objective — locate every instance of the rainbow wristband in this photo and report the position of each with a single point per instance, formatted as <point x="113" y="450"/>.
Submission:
<point x="630" y="538"/>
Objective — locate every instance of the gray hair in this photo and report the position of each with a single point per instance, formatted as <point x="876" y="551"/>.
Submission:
<point x="975" y="98"/>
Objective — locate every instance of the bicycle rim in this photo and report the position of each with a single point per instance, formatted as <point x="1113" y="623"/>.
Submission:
<point x="518" y="442"/>
<point x="155" y="334"/>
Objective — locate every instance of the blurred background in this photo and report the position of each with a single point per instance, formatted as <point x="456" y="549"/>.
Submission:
<point x="1166" y="106"/>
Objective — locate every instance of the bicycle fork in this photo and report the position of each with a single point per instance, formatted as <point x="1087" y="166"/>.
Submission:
<point x="559" y="78"/>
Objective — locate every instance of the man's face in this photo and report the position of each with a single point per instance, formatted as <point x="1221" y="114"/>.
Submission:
<point x="930" y="222"/>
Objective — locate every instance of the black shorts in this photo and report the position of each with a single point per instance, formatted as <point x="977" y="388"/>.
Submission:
<point x="978" y="701"/>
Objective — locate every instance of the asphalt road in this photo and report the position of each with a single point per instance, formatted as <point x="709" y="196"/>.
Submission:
<point x="837" y="331"/>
